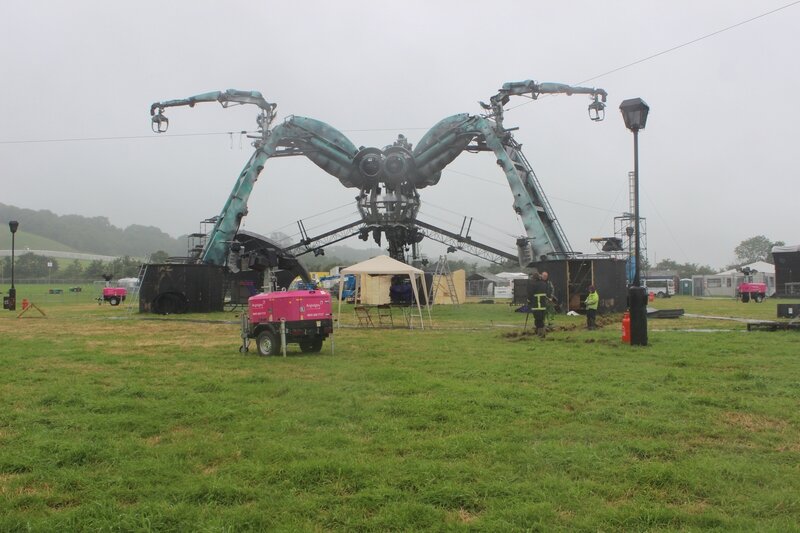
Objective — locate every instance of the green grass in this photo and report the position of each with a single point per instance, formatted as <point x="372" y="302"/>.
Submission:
<point x="39" y="293"/>
<point x="24" y="240"/>
<point x="114" y="424"/>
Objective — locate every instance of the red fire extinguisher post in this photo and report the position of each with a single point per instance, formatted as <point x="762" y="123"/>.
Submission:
<point x="626" y="327"/>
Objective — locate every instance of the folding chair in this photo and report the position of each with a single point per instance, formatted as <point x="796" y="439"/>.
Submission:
<point x="362" y="314"/>
<point x="385" y="315"/>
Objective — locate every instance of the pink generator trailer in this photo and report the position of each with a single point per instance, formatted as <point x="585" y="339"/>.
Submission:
<point x="750" y="290"/>
<point x="275" y="319"/>
<point x="113" y="295"/>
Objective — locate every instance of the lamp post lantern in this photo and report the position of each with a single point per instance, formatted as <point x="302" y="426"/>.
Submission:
<point x="10" y="302"/>
<point x="634" y="112"/>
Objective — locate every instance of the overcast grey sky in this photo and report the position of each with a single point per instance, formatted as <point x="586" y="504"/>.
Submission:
<point x="718" y="158"/>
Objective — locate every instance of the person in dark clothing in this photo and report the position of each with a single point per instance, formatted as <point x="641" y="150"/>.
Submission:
<point x="551" y="302"/>
<point x="537" y="295"/>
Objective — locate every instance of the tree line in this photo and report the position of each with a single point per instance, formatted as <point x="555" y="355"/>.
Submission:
<point x="93" y="235"/>
<point x="33" y="267"/>
<point x="29" y="266"/>
<point x="752" y="250"/>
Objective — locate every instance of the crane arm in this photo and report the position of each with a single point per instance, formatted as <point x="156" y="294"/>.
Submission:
<point x="324" y="145"/>
<point x="516" y="88"/>
<point x="530" y="87"/>
<point x="228" y="98"/>
<point x="448" y="138"/>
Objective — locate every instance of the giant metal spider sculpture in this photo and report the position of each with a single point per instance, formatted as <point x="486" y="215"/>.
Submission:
<point x="388" y="179"/>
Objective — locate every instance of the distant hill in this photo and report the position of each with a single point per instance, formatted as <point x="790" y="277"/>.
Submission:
<point x="45" y="230"/>
<point x="25" y="240"/>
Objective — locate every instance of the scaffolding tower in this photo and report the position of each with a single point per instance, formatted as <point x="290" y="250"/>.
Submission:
<point x="624" y="226"/>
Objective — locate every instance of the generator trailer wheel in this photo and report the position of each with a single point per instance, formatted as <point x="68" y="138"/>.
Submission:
<point x="267" y="343"/>
<point x="311" y="346"/>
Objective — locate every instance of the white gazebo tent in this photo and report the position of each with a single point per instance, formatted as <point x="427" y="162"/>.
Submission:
<point x="383" y="265"/>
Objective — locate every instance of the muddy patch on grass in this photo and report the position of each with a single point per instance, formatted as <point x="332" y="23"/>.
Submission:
<point x="530" y="333"/>
<point x="463" y="516"/>
<point x="754" y="423"/>
<point x="519" y="335"/>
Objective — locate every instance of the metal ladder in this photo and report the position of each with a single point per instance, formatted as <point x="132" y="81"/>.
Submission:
<point x="527" y="176"/>
<point x="133" y="297"/>
<point x="443" y="272"/>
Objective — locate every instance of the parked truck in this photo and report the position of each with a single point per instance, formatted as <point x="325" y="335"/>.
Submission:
<point x="301" y="317"/>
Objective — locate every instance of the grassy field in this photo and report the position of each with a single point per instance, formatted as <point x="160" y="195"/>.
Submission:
<point x="114" y="421"/>
<point x="24" y="240"/>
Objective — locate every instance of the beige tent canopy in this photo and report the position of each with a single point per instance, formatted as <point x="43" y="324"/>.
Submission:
<point x="383" y="265"/>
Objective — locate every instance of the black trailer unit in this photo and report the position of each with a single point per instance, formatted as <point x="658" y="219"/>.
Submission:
<point x="787" y="271"/>
<point x="176" y="288"/>
<point x="571" y="279"/>
<point x="182" y="288"/>
<point x="186" y="285"/>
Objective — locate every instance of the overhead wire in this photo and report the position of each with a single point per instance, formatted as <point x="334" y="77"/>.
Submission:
<point x="612" y="71"/>
<point x="172" y="135"/>
<point x="693" y="41"/>
<point x="118" y="138"/>
<point x="505" y="232"/>
<point x="549" y="196"/>
<point x="604" y="74"/>
<point x="614" y="203"/>
<point x="653" y="56"/>
<point x="351" y="216"/>
<point x="664" y="223"/>
<point x="671" y="49"/>
<point x="479" y="234"/>
<point x="316" y="215"/>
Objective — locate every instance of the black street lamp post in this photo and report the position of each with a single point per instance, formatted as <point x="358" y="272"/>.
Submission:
<point x="10" y="302"/>
<point x="634" y="112"/>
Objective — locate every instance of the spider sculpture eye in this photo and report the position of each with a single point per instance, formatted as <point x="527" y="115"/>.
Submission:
<point x="370" y="166"/>
<point x="395" y="166"/>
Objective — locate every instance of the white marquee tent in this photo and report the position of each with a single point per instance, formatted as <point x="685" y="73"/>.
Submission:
<point x="383" y="265"/>
<point x="758" y="266"/>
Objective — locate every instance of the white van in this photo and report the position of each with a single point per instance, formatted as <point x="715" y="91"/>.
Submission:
<point x="662" y="288"/>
